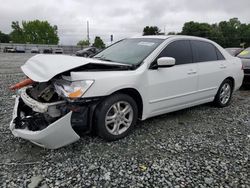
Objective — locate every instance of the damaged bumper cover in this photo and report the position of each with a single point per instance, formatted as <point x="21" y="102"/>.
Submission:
<point x="54" y="134"/>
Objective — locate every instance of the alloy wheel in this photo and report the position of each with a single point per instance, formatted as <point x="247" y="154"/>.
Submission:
<point x="119" y="117"/>
<point x="225" y="93"/>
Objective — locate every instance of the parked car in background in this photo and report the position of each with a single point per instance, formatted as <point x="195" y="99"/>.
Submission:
<point x="245" y="57"/>
<point x="9" y="49"/>
<point x="20" y="49"/>
<point x="234" y="51"/>
<point x="135" y="78"/>
<point x="86" y="52"/>
<point x="34" y="50"/>
<point x="58" y="51"/>
<point x="47" y="51"/>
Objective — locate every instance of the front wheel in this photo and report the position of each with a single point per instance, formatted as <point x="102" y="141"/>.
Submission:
<point x="116" y="116"/>
<point x="224" y="94"/>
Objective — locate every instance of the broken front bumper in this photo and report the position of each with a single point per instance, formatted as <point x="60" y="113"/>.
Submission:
<point x="55" y="135"/>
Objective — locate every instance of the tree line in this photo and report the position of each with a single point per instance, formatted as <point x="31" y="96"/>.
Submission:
<point x="230" y="33"/>
<point x="98" y="43"/>
<point x="35" y="32"/>
<point x="39" y="32"/>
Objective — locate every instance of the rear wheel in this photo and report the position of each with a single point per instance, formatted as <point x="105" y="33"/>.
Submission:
<point x="116" y="117"/>
<point x="224" y="94"/>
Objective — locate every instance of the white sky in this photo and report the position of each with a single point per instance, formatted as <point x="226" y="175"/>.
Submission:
<point x="122" y="18"/>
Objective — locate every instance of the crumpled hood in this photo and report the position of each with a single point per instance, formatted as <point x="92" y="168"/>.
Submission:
<point x="41" y="68"/>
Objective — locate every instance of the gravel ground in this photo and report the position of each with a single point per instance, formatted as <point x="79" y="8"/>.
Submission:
<point x="202" y="146"/>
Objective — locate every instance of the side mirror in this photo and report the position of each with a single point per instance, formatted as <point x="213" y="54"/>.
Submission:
<point x="165" y="62"/>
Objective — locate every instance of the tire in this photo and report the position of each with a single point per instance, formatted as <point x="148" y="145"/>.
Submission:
<point x="110" y="122"/>
<point x="222" y="100"/>
<point x="85" y="55"/>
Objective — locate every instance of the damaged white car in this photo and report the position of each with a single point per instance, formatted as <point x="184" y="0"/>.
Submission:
<point x="135" y="78"/>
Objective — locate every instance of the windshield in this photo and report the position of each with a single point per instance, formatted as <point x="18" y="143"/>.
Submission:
<point x="245" y="53"/>
<point x="129" y="51"/>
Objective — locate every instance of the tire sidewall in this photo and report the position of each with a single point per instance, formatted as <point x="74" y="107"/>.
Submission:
<point x="102" y="110"/>
<point x="217" y="98"/>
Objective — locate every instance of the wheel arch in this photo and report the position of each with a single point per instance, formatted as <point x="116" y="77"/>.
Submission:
<point x="136" y="96"/>
<point x="232" y="80"/>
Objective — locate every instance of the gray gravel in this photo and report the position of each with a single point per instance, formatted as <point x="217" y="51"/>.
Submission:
<point x="202" y="146"/>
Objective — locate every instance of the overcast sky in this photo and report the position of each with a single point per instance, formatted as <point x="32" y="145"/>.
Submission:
<point x="122" y="18"/>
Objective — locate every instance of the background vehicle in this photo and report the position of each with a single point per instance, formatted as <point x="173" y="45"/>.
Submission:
<point x="234" y="51"/>
<point x="245" y="57"/>
<point x="58" y="51"/>
<point x="47" y="51"/>
<point x="86" y="52"/>
<point x="34" y="50"/>
<point x="136" y="78"/>
<point x="20" y="49"/>
<point x="9" y="50"/>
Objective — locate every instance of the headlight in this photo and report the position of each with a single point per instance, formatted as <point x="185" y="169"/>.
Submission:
<point x="72" y="90"/>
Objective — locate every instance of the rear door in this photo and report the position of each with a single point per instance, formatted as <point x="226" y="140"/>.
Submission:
<point x="172" y="87"/>
<point x="211" y="67"/>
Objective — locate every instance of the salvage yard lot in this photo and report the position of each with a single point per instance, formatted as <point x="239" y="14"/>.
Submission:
<point x="200" y="146"/>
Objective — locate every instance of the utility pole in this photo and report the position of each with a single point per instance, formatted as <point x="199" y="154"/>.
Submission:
<point x="88" y="31"/>
<point x="111" y="38"/>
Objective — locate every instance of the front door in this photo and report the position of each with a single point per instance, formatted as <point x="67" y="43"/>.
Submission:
<point x="170" y="88"/>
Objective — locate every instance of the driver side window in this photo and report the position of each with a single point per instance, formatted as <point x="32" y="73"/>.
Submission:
<point x="180" y="50"/>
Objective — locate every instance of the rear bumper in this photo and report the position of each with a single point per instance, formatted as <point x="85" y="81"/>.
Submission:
<point x="55" y="135"/>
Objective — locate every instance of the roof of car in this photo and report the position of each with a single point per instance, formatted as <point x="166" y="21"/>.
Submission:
<point x="153" y="36"/>
<point x="171" y="36"/>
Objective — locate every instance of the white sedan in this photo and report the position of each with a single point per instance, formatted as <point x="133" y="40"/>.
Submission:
<point x="135" y="78"/>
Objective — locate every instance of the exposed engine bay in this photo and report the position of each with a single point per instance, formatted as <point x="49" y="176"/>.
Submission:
<point x="35" y="121"/>
<point x="40" y="105"/>
<point x="43" y="92"/>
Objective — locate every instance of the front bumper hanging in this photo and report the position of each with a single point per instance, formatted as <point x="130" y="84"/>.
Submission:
<point x="55" y="135"/>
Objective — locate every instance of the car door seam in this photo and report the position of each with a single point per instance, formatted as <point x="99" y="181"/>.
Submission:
<point x="182" y="95"/>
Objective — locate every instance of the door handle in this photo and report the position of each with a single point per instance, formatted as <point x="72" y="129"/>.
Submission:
<point x="192" y="71"/>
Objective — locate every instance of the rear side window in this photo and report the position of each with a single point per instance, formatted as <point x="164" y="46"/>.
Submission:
<point x="204" y="51"/>
<point x="219" y="55"/>
<point x="180" y="50"/>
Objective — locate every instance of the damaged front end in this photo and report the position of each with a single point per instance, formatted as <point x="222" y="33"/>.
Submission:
<point x="43" y="115"/>
<point x="50" y="108"/>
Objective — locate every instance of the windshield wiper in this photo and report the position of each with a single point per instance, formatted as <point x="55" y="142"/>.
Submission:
<point x="130" y="66"/>
<point x="104" y="59"/>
